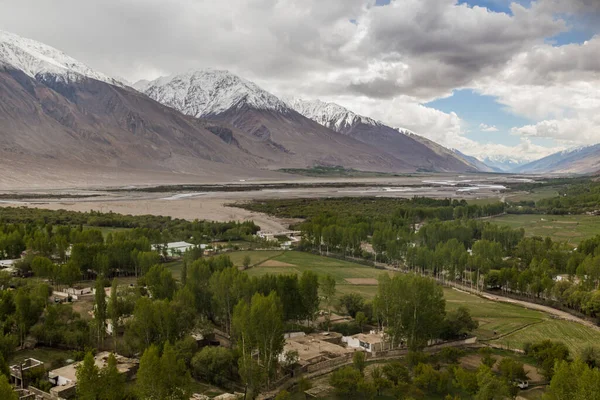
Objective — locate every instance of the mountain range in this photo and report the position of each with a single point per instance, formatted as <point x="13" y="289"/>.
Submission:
<point x="299" y="133"/>
<point x="580" y="160"/>
<point x="62" y="123"/>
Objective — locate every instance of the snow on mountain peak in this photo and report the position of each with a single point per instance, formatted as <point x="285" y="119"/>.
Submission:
<point x="39" y="60"/>
<point x="209" y="92"/>
<point x="330" y="115"/>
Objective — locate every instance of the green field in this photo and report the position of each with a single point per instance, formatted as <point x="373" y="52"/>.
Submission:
<point x="515" y="325"/>
<point x="256" y="257"/>
<point x="574" y="335"/>
<point x="297" y="262"/>
<point x="493" y="317"/>
<point x="568" y="228"/>
<point x="534" y="195"/>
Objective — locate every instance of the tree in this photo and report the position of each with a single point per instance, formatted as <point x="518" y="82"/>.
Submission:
<point x="547" y="353"/>
<point x="411" y="307"/>
<point x="175" y="379"/>
<point x="69" y="274"/>
<point x="458" y="323"/>
<point x="574" y="380"/>
<point x="249" y="370"/>
<point x="148" y="383"/>
<point x="451" y="355"/>
<point x="490" y="387"/>
<point x="353" y="303"/>
<point x="246" y="262"/>
<point x="88" y="379"/>
<point x="266" y="316"/>
<point x="396" y="372"/>
<point x="379" y="380"/>
<point x="283" y="395"/>
<point x="28" y="308"/>
<point x="184" y="272"/>
<point x="214" y="364"/>
<point x="591" y="356"/>
<point x="487" y="357"/>
<point x="161" y="283"/>
<point x="309" y="291"/>
<point x="511" y="370"/>
<point x="227" y="287"/>
<point x="361" y="319"/>
<point x="112" y="381"/>
<point x="6" y="390"/>
<point x="114" y="310"/>
<point x="345" y="381"/>
<point x="328" y="290"/>
<point x="162" y="377"/>
<point x="43" y="267"/>
<point x="100" y="310"/>
<point x="466" y="380"/>
<point x="359" y="361"/>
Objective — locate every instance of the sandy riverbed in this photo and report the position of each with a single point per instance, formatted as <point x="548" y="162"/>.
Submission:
<point x="192" y="205"/>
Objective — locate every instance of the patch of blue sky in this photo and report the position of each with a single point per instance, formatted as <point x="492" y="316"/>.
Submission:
<point x="476" y="109"/>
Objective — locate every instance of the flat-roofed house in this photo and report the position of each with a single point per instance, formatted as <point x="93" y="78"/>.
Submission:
<point x="371" y="342"/>
<point x="65" y="378"/>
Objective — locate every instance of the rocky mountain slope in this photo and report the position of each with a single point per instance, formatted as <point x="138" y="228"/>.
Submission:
<point x="288" y="139"/>
<point x="581" y="160"/>
<point x="422" y="154"/>
<point x="62" y="121"/>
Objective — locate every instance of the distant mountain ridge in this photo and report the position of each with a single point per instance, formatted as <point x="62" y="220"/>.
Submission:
<point x="64" y="122"/>
<point x="480" y="165"/>
<point x="423" y="154"/>
<point x="579" y="160"/>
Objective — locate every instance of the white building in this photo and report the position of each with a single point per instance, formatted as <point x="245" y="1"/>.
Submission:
<point x="7" y="263"/>
<point x="174" y="249"/>
<point x="371" y="342"/>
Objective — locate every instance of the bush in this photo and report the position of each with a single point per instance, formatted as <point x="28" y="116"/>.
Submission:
<point x="346" y="328"/>
<point x="346" y="382"/>
<point x="214" y="364"/>
<point x="451" y="355"/>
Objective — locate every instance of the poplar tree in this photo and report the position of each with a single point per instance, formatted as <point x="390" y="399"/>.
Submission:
<point x="100" y="312"/>
<point x="88" y="379"/>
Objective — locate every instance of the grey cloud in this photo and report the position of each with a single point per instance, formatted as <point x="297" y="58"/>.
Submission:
<point x="448" y="45"/>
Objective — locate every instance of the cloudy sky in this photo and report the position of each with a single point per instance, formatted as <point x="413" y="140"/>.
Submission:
<point x="489" y="77"/>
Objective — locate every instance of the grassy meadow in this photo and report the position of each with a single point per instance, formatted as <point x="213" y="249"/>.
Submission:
<point x="568" y="228"/>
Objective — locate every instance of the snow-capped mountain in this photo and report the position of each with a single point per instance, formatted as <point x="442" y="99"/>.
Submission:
<point x="504" y="163"/>
<point x="209" y="92"/>
<point x="416" y="150"/>
<point x="62" y="124"/>
<point x="480" y="165"/>
<point x="579" y="160"/>
<point x="330" y="115"/>
<point x="288" y="139"/>
<point x="40" y="61"/>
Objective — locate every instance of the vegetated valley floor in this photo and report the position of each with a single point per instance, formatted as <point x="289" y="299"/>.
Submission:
<point x="508" y="325"/>
<point x="568" y="228"/>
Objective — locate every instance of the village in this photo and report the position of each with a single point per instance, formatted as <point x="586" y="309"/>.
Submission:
<point x="302" y="353"/>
